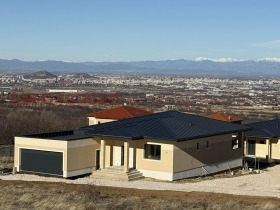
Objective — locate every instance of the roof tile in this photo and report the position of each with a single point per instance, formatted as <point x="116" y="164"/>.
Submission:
<point x="224" y="117"/>
<point x="119" y="113"/>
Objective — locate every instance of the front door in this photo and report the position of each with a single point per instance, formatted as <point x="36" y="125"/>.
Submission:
<point x="122" y="155"/>
<point x="251" y="147"/>
<point x="118" y="155"/>
<point x="97" y="159"/>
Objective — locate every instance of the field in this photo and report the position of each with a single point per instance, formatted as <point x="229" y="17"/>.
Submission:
<point x="45" y="195"/>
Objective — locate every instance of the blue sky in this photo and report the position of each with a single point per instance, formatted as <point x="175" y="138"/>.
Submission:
<point x="126" y="30"/>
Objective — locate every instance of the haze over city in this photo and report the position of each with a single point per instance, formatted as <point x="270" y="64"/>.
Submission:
<point x="139" y="30"/>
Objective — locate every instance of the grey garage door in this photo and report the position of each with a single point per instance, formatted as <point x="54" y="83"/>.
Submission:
<point x="41" y="161"/>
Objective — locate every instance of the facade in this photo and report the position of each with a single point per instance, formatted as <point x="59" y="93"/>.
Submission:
<point x="168" y="146"/>
<point x="119" y="113"/>
<point x="263" y="141"/>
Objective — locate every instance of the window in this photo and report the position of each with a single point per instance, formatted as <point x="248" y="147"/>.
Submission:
<point x="197" y="146"/>
<point x="234" y="142"/>
<point x="152" y="151"/>
<point x="207" y="144"/>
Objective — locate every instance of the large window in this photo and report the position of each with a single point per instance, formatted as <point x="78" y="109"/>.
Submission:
<point x="152" y="151"/>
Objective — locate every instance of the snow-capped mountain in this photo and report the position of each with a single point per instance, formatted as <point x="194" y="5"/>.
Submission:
<point x="201" y="65"/>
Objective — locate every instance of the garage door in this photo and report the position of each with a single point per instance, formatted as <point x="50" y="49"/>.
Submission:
<point x="41" y="161"/>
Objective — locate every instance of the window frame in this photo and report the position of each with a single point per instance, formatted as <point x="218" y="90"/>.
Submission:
<point x="234" y="142"/>
<point x="153" y="152"/>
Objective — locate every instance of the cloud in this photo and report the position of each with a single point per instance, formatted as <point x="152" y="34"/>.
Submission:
<point x="268" y="44"/>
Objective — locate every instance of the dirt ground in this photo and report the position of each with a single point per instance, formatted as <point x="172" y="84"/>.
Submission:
<point x="45" y="195"/>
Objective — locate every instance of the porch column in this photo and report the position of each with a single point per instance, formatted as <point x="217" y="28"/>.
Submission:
<point x="126" y="157"/>
<point x="245" y="146"/>
<point x="268" y="149"/>
<point x="102" y="154"/>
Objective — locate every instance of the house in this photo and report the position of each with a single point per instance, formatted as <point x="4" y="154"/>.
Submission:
<point x="119" y="113"/>
<point x="263" y="141"/>
<point x="168" y="145"/>
<point x="226" y="118"/>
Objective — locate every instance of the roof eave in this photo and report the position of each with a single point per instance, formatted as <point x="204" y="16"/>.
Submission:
<point x="208" y="135"/>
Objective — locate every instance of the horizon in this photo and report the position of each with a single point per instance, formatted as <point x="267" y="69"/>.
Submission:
<point x="124" y="31"/>
<point x="198" y="59"/>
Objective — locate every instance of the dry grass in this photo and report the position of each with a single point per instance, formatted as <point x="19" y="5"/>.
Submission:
<point x="43" y="195"/>
<point x="6" y="162"/>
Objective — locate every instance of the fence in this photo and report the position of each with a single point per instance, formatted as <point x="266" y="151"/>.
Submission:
<point x="6" y="151"/>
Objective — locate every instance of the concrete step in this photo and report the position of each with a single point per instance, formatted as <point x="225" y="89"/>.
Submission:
<point x="111" y="174"/>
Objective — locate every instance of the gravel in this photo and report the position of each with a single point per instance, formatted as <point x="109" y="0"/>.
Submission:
<point x="264" y="184"/>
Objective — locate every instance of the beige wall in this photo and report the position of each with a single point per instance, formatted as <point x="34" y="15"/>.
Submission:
<point x="81" y="154"/>
<point x="271" y="146"/>
<point x="163" y="165"/>
<point x="186" y="155"/>
<point x="94" y="121"/>
<point x="275" y="149"/>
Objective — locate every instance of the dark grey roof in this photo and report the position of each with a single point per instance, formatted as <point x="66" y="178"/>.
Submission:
<point x="264" y="129"/>
<point x="69" y="135"/>
<point x="170" y="125"/>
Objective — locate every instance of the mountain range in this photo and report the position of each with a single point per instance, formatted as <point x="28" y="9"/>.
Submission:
<point x="224" y="66"/>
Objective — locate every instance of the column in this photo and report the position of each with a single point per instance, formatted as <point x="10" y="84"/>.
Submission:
<point x="268" y="149"/>
<point x="126" y="157"/>
<point x="102" y="154"/>
<point x="245" y="146"/>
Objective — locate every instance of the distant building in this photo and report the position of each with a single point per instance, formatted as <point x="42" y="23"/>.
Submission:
<point x="62" y="91"/>
<point x="119" y="113"/>
<point x="226" y="118"/>
<point x="150" y="95"/>
<point x="169" y="107"/>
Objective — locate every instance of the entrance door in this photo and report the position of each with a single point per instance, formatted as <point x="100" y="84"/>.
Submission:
<point x="251" y="147"/>
<point x="118" y="154"/>
<point x="97" y="159"/>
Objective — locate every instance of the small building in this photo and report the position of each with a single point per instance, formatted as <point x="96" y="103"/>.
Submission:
<point x="226" y="118"/>
<point x="263" y="141"/>
<point x="168" y="146"/>
<point x="169" y="107"/>
<point x="119" y="113"/>
<point x="63" y="153"/>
